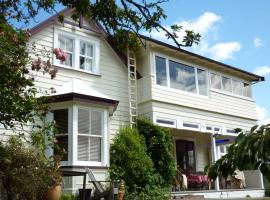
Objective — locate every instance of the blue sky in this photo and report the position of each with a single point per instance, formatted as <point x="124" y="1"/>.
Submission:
<point x="233" y="32"/>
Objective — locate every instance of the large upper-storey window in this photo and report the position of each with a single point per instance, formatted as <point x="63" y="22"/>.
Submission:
<point x="230" y="85"/>
<point x="82" y="53"/>
<point x="180" y="76"/>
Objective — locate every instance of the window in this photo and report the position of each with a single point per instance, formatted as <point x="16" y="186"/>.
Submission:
<point x="190" y="125"/>
<point x="230" y="85"/>
<point x="215" y="81"/>
<point x="82" y="53"/>
<point x="237" y="87"/>
<point x="84" y="129"/>
<point x="89" y="135"/>
<point x="180" y="76"/>
<point x="66" y="44"/>
<point x="247" y="90"/>
<point x="211" y="129"/>
<point x="185" y="155"/>
<point x="161" y="71"/>
<point x="61" y="133"/>
<point x="86" y="56"/>
<point x="164" y="121"/>
<point x="226" y="84"/>
<point x="202" y="81"/>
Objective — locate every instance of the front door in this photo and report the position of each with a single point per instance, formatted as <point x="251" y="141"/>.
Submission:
<point x="185" y="155"/>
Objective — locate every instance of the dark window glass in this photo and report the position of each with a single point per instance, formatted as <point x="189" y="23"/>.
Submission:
<point x="61" y="134"/>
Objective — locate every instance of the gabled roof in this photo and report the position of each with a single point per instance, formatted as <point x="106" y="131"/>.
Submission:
<point x="98" y="29"/>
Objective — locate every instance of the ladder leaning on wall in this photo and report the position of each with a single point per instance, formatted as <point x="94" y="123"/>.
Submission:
<point x="132" y="85"/>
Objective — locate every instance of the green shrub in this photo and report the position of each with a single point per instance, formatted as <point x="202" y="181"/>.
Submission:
<point x="67" y="196"/>
<point x="25" y="172"/>
<point x="159" y="147"/>
<point x="153" y="193"/>
<point x="129" y="161"/>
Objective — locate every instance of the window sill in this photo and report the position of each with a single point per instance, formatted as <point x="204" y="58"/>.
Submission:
<point x="78" y="70"/>
<point x="231" y="95"/>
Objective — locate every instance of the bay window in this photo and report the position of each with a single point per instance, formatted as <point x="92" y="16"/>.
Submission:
<point x="82" y="133"/>
<point x="180" y="76"/>
<point x="82" y="53"/>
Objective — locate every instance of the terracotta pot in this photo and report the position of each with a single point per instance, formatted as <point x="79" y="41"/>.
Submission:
<point x="54" y="193"/>
<point x="120" y="195"/>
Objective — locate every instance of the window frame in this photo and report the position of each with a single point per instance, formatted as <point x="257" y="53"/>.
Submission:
<point x="76" y="51"/>
<point x="167" y="59"/>
<point x="73" y="135"/>
<point x="243" y="82"/>
<point x="103" y="134"/>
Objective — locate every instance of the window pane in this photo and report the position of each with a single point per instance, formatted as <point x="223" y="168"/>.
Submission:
<point x="68" y="61"/>
<point x="215" y="81"/>
<point x="202" y="81"/>
<point x="86" y="49"/>
<point x="86" y="64"/>
<point x="83" y="121"/>
<point x="247" y="90"/>
<point x="182" y="77"/>
<point x="96" y="123"/>
<point x="161" y="74"/>
<point x="227" y="84"/>
<point x="89" y="50"/>
<point x="61" y="134"/>
<point x="69" y="45"/>
<point x="83" y="148"/>
<point x="237" y="87"/>
<point x="66" y="44"/>
<point x="61" y="120"/>
<point x="95" y="149"/>
<point x="82" y="48"/>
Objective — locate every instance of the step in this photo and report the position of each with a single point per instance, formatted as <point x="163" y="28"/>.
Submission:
<point x="188" y="197"/>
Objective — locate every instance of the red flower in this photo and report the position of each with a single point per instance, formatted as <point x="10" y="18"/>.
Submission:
<point x="60" y="54"/>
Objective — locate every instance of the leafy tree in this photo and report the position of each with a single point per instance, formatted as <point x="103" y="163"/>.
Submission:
<point x="250" y="151"/>
<point x="159" y="147"/>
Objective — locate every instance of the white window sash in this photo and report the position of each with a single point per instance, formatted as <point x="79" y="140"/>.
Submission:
<point x="76" y="51"/>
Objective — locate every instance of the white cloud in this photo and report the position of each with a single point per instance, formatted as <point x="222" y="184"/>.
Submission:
<point x="263" y="70"/>
<point x="224" y="51"/>
<point x="206" y="25"/>
<point x="203" y="24"/>
<point x="263" y="115"/>
<point x="257" y="42"/>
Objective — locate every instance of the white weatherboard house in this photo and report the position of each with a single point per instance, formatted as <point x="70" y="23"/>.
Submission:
<point x="201" y="100"/>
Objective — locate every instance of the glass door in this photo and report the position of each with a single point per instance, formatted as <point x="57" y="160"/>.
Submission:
<point x="185" y="155"/>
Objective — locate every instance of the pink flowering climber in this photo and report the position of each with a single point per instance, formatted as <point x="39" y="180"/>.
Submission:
<point x="60" y="54"/>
